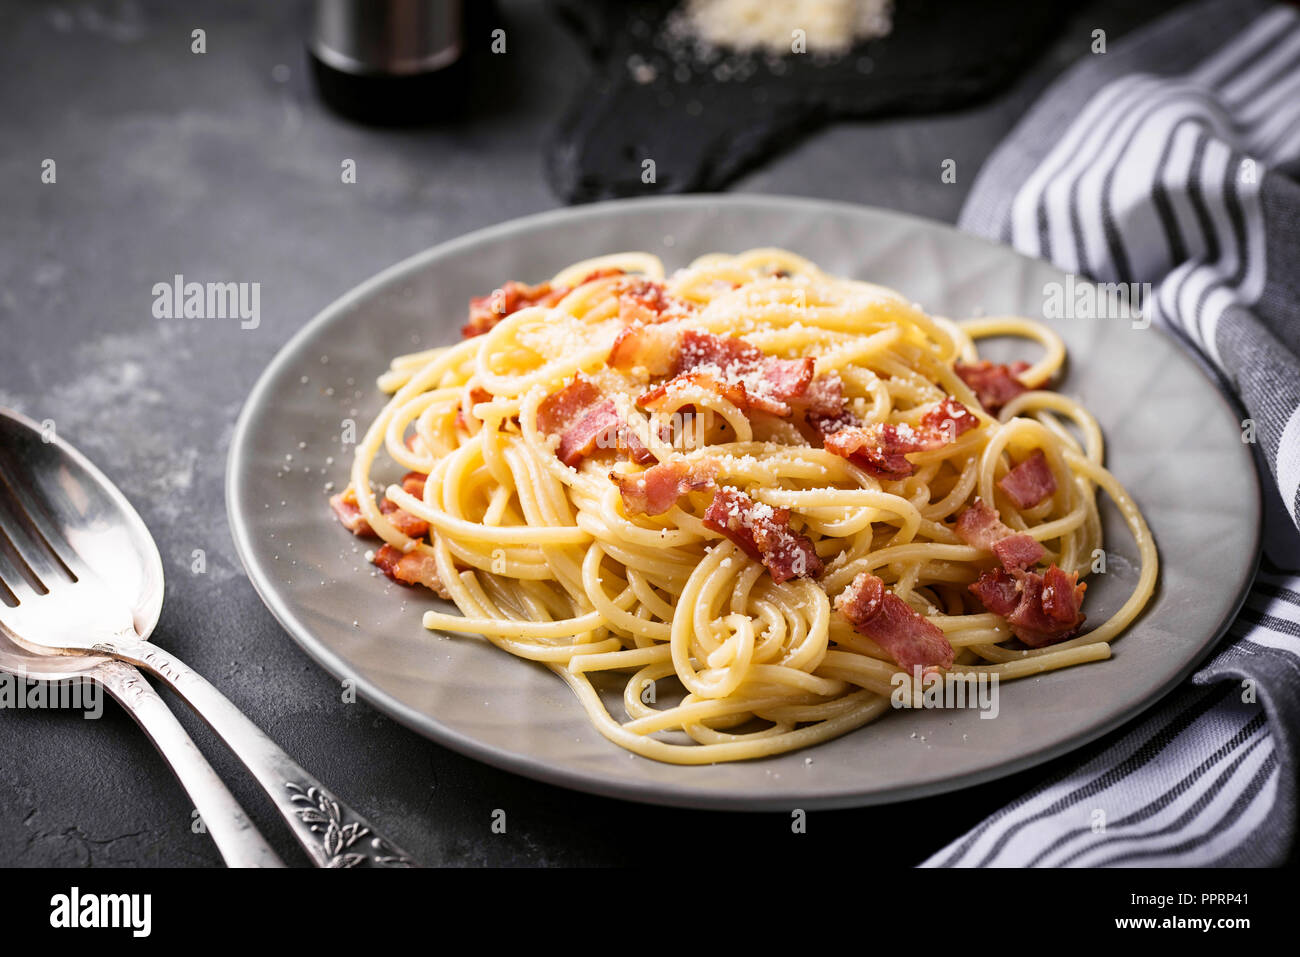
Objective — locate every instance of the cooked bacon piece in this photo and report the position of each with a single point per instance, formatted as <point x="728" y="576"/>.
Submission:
<point x="764" y="534"/>
<point x="824" y="425"/>
<point x="653" y="348"/>
<point x="658" y="397"/>
<point x="599" y="427"/>
<point x="979" y="526"/>
<point x="993" y="384"/>
<point x="764" y="397"/>
<point x="1061" y="600"/>
<point x="825" y="396"/>
<point x="786" y="379"/>
<point x="404" y="521"/>
<point x="635" y="448"/>
<point x="586" y="421"/>
<point x="581" y="417"/>
<point x="1030" y="482"/>
<point x="824" y="408"/>
<point x="947" y="419"/>
<point x="413" y="483"/>
<point x="880" y="448"/>
<point x="770" y="382"/>
<point x="559" y="409"/>
<point x="476" y="395"/>
<point x="486" y="311"/>
<point x="349" y="513"/>
<point x="1019" y="551"/>
<point x="658" y="488"/>
<point x="1041" y="609"/>
<point x="410" y="568"/>
<point x="645" y="301"/>
<point x="876" y="449"/>
<point x="728" y="366"/>
<point x="998" y="591"/>
<point x="905" y="635"/>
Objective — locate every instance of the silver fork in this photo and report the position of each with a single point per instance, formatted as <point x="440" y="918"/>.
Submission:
<point x="62" y="606"/>
<point x="224" y="820"/>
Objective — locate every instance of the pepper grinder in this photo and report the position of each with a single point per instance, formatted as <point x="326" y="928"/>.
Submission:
<point x="389" y="62"/>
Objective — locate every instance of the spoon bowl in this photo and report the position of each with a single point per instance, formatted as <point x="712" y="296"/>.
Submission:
<point x="98" y="522"/>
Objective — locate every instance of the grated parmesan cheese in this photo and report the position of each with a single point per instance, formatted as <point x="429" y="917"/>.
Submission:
<point x="829" y="26"/>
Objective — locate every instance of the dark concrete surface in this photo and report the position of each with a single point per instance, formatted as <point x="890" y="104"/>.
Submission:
<point x="224" y="166"/>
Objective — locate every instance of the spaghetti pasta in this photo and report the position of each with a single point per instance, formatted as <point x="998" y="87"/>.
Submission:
<point x="759" y="496"/>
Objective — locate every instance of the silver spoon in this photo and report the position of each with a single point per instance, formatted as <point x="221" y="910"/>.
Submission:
<point x="70" y="547"/>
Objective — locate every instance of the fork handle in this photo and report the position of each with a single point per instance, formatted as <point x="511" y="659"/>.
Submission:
<point x="332" y="833"/>
<point x="236" y="838"/>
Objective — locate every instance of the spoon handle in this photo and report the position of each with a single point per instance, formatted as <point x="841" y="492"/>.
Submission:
<point x="236" y="838"/>
<point x="331" y="833"/>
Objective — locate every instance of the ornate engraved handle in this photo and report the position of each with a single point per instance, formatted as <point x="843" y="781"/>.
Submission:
<point x="332" y="833"/>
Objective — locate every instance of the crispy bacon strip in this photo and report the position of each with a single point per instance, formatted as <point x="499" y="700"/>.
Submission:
<point x="980" y="527"/>
<point x="906" y="636"/>
<point x="1042" y="609"/>
<point x="658" y="488"/>
<point x="1030" y="482"/>
<point x="824" y="397"/>
<point x="636" y="450"/>
<point x="993" y="384"/>
<point x="599" y="427"/>
<point x="661" y="395"/>
<point x="880" y="448"/>
<point x="649" y="347"/>
<point x="413" y="483"/>
<point x="586" y="421"/>
<point x="646" y="301"/>
<point x="827" y="412"/>
<point x="486" y="311"/>
<point x="581" y="416"/>
<point x="770" y="383"/>
<point x="411" y="568"/>
<point x="728" y="366"/>
<point x="564" y="406"/>
<point x="764" y="534"/>
<point x="404" y="521"/>
<point x="348" y="510"/>
<point x="349" y="514"/>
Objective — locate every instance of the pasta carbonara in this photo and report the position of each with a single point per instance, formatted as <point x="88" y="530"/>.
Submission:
<point x="757" y="498"/>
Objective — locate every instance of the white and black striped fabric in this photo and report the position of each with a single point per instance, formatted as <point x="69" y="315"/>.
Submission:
<point x="1171" y="159"/>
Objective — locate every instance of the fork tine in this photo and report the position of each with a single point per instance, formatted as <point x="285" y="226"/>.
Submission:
<point x="36" y="554"/>
<point x="12" y="577"/>
<point x="26" y="504"/>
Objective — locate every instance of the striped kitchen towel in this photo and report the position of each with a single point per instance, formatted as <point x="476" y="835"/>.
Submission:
<point x="1171" y="159"/>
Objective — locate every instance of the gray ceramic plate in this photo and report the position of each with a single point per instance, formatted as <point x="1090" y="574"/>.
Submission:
<point x="1172" y="439"/>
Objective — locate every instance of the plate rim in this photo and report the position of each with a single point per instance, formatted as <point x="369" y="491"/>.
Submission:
<point x="594" y="782"/>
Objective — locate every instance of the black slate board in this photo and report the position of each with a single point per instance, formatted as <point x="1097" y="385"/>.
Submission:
<point x="702" y="132"/>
